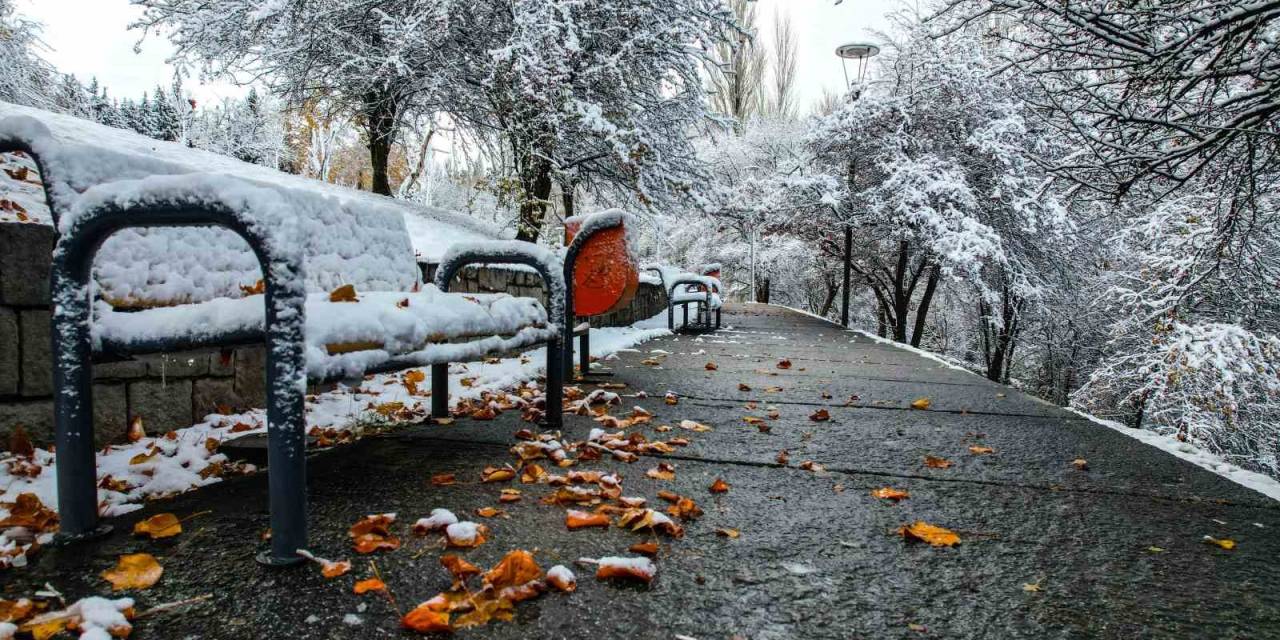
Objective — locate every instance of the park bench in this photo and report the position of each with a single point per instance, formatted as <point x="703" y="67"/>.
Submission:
<point x="683" y="289"/>
<point x="601" y="273"/>
<point x="95" y="193"/>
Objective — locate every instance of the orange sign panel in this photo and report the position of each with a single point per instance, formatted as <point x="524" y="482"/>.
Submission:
<point x="604" y="277"/>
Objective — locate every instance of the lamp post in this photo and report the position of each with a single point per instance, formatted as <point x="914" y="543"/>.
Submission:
<point x="860" y="54"/>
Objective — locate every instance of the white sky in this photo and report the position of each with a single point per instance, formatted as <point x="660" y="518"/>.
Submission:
<point x="91" y="38"/>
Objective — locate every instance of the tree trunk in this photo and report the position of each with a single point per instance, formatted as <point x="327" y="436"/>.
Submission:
<point x="380" y="119"/>
<point x="830" y="300"/>
<point x="762" y="294"/>
<point x="922" y="311"/>
<point x="567" y="192"/>
<point x="536" y="182"/>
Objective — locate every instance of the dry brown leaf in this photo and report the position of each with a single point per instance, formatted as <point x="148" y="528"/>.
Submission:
<point x="821" y="415"/>
<point x="742" y="387"/>
<point x="497" y="474"/>
<point x="978" y="449"/>
<point x="664" y="471"/>
<point x="444" y="479"/>
<point x="516" y="568"/>
<point x="575" y="520"/>
<point x="640" y="569"/>
<point x="644" y="548"/>
<point x="369" y="584"/>
<point x="921" y="403"/>
<point x="671" y="398"/>
<point x="784" y="364"/>
<point x="426" y="619"/>
<point x="784" y="457"/>
<point x="372" y="533"/>
<point x="488" y="512"/>
<point x="719" y="486"/>
<point x="810" y="465"/>
<point x="889" y="493"/>
<point x="932" y="534"/>
<point x="458" y="567"/>
<point x="135" y="431"/>
<point x="133" y="571"/>
<point x="161" y="525"/>
<point x="936" y="462"/>
<point x="28" y="512"/>
<point x="20" y="443"/>
<point x="345" y="293"/>
<point x="1080" y="464"/>
<point x="728" y="533"/>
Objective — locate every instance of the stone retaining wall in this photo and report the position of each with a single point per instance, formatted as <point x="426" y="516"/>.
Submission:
<point x="171" y="390"/>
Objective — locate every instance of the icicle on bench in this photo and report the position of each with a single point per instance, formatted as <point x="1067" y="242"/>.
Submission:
<point x="601" y="274"/>
<point x="307" y="337"/>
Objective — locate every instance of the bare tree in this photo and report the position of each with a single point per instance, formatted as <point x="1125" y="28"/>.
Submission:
<point x="738" y="88"/>
<point x="785" y="55"/>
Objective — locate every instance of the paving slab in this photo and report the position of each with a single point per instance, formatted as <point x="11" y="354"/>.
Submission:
<point x="1046" y="551"/>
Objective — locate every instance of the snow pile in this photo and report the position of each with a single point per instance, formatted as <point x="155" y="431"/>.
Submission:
<point x="347" y="236"/>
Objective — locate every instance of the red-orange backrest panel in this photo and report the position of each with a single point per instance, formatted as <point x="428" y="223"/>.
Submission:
<point x="604" y="279"/>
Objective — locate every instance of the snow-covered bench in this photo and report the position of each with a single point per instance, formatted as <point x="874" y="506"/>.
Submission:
<point x="95" y="194"/>
<point x="684" y="288"/>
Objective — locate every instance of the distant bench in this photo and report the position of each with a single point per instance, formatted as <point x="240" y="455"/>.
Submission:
<point x="684" y="288"/>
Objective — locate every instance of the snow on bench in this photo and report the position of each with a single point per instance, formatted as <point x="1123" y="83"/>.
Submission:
<point x="684" y="288"/>
<point x="345" y="236"/>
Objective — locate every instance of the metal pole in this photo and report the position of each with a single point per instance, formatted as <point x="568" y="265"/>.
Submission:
<point x="754" y="297"/>
<point x="848" y="268"/>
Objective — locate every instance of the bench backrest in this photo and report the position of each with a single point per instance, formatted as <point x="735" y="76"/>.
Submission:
<point x="348" y="237"/>
<point x="606" y="274"/>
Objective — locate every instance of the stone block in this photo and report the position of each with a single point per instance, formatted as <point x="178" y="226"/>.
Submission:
<point x="208" y="394"/>
<point x="120" y="370"/>
<point x="10" y="366"/>
<point x="177" y="365"/>
<point x="37" y="364"/>
<point x="250" y="381"/>
<point x="36" y="416"/>
<point x="161" y="405"/>
<point x="110" y="414"/>
<point x="26" y="254"/>
<point x="222" y="362"/>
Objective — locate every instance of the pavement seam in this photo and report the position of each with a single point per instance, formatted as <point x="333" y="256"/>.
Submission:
<point x="962" y="412"/>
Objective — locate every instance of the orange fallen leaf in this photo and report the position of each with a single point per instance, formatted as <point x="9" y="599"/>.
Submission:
<point x="1224" y="543"/>
<point x="516" y="568"/>
<point x="425" y="619"/>
<point x="372" y="533"/>
<point x="444" y="479"/>
<point x="465" y="535"/>
<point x="133" y="571"/>
<point x="784" y="364"/>
<point x="28" y="512"/>
<point x="509" y="495"/>
<point x="488" y="512"/>
<point x="532" y="473"/>
<point x="639" y="569"/>
<point x="671" y="398"/>
<point x="20" y="443"/>
<point x="932" y="534"/>
<point x="135" y="432"/>
<point x="728" y="533"/>
<point x="711" y="366"/>
<point x="497" y="474"/>
<point x="719" y="486"/>
<point x="664" y="471"/>
<point x="458" y="567"/>
<point x="783" y="457"/>
<point x="810" y="465"/>
<point x="369" y="584"/>
<point x="575" y="520"/>
<point x="889" y="493"/>
<point x="161" y="525"/>
<point x="921" y="403"/>
<point x="646" y="548"/>
<point x="935" y="462"/>
<point x="562" y="579"/>
<point x="821" y="415"/>
<point x="345" y="293"/>
<point x="685" y="509"/>
<point x="976" y="449"/>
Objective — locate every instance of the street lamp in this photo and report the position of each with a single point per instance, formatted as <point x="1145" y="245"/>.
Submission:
<point x="860" y="53"/>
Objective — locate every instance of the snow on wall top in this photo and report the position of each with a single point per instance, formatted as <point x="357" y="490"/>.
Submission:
<point x="348" y="236"/>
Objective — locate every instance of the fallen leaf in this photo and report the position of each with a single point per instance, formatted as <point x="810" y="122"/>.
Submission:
<point x="28" y="512"/>
<point x="685" y="509"/>
<point x="1225" y="543"/>
<point x="372" y="533"/>
<point x="1031" y="587"/>
<point x="562" y="579"/>
<point x="466" y="535"/>
<point x="135" y="432"/>
<point x="516" y="568"/>
<point x="784" y="364"/>
<point x="821" y="415"/>
<point x="783" y="457"/>
<point x="743" y="387"/>
<point x="728" y="533"/>
<point x="459" y="568"/>
<point x="638" y="519"/>
<point x="20" y="443"/>
<point x="664" y="471"/>
<point x="497" y="474"/>
<point x="425" y="619"/>
<point x="443" y="479"/>
<point x="640" y="569"/>
<point x="488" y="512"/>
<point x="161" y="525"/>
<point x="921" y="404"/>
<point x="369" y="584"/>
<point x="509" y="495"/>
<point x="932" y="534"/>
<point x="719" y="486"/>
<point x="671" y="398"/>
<point x="690" y="425"/>
<point x="809" y="465"/>
<point x="711" y="366"/>
<point x="1080" y="464"/>
<point x="575" y="520"/>
<point x="645" y="548"/>
<point x="889" y="493"/>
<point x="345" y="293"/>
<point x="936" y="462"/>
<point x="133" y="571"/>
<point x="976" y="449"/>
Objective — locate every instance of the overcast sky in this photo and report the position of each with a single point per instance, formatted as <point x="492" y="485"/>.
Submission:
<point x="91" y="38"/>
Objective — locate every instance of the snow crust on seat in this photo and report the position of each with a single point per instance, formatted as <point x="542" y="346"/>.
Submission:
<point x="346" y="236"/>
<point x="697" y="296"/>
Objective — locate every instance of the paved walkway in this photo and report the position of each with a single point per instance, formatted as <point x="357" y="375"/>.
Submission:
<point x="1116" y="550"/>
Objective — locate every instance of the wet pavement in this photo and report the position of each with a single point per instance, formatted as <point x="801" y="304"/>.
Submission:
<point x="1113" y="551"/>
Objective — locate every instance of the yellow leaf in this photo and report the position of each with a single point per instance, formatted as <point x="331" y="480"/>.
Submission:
<point x="345" y="293"/>
<point x="921" y="404"/>
<point x="728" y="533"/>
<point x="1225" y="543"/>
<point x="133" y="571"/>
<point x="936" y="462"/>
<point x="976" y="449"/>
<point x="162" y="525"/>
<point x="889" y="493"/>
<point x="933" y="534"/>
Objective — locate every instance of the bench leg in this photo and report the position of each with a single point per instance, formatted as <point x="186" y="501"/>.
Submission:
<point x="286" y="451"/>
<point x="555" y="385"/>
<point x="685" y="307"/>
<point x="584" y="353"/>
<point x="671" y="317"/>
<point x="73" y="419"/>
<point x="440" y="391"/>
<point x="717" y="319"/>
